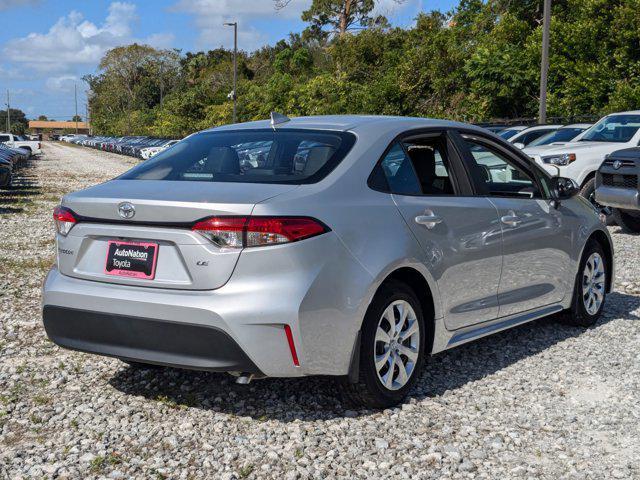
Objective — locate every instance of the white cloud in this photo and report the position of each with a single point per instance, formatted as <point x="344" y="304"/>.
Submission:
<point x="211" y="14"/>
<point x="62" y="83"/>
<point x="7" y="4"/>
<point x="72" y="40"/>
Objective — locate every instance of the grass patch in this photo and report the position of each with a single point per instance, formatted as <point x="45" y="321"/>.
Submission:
<point x="245" y="471"/>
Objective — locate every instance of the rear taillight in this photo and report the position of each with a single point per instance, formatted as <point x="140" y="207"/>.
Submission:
<point x="64" y="220"/>
<point x="241" y="232"/>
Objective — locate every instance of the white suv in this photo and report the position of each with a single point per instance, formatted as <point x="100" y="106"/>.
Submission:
<point x="580" y="159"/>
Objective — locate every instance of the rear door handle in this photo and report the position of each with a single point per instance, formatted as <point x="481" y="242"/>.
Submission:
<point x="428" y="219"/>
<point x="511" y="219"/>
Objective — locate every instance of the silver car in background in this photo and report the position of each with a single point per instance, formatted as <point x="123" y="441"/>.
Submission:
<point x="350" y="246"/>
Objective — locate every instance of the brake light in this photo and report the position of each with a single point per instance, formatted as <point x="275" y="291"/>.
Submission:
<point x="64" y="220"/>
<point x="242" y="232"/>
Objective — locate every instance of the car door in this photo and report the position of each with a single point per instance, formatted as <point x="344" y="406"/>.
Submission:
<point x="460" y="234"/>
<point x="536" y="241"/>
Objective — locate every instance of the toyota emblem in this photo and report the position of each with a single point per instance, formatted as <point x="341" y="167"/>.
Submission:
<point x="126" y="210"/>
<point x="617" y="164"/>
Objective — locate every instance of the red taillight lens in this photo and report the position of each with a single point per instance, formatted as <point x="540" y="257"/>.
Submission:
<point x="226" y="232"/>
<point x="239" y="232"/>
<point x="274" y="230"/>
<point x="64" y="220"/>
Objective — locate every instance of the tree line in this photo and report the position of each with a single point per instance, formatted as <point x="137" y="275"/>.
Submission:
<point x="478" y="62"/>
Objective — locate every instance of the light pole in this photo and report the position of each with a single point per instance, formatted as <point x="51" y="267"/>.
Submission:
<point x="75" y="96"/>
<point x="235" y="67"/>
<point x="8" y="113"/>
<point x="544" y="67"/>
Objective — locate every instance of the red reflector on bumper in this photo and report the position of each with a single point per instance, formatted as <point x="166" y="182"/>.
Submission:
<point x="292" y="346"/>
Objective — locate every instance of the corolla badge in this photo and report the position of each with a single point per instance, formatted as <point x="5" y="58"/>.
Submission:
<point x="617" y="164"/>
<point x="126" y="210"/>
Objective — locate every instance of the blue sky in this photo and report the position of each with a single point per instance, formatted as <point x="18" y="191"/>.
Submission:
<point x="46" y="46"/>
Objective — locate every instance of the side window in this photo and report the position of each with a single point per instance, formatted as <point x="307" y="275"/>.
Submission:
<point x="416" y="166"/>
<point x="497" y="175"/>
<point x="399" y="172"/>
<point x="4" y="138"/>
<point x="431" y="164"/>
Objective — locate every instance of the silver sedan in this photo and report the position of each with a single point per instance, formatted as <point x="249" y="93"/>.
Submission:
<point x="350" y="246"/>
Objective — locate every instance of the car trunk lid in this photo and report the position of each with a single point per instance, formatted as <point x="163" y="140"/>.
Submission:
<point x="163" y="213"/>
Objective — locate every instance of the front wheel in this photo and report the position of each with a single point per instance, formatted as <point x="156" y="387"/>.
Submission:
<point x="590" y="289"/>
<point x="628" y="221"/>
<point x="391" y="349"/>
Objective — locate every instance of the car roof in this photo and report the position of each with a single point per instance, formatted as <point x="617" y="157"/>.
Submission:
<point x="382" y="123"/>
<point x="516" y="127"/>
<point x="541" y="127"/>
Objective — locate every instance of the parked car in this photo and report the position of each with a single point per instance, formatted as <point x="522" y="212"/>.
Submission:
<point x="528" y="135"/>
<point x="149" y="152"/>
<point x="561" y="136"/>
<point x="6" y="170"/>
<point x="17" y="156"/>
<point x="387" y="240"/>
<point x="509" y="132"/>
<point x="617" y="187"/>
<point x="18" y="141"/>
<point x="581" y="158"/>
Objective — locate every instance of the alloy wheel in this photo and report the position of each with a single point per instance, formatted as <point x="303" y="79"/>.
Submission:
<point x="593" y="283"/>
<point x="397" y="345"/>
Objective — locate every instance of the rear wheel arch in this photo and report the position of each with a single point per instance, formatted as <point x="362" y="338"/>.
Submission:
<point x="420" y="286"/>
<point x="601" y="239"/>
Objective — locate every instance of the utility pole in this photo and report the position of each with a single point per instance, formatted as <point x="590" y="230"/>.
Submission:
<point x="235" y="68"/>
<point x="75" y="94"/>
<point x="544" y="67"/>
<point x="8" y="113"/>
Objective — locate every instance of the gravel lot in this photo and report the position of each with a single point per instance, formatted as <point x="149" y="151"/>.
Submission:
<point x="541" y="401"/>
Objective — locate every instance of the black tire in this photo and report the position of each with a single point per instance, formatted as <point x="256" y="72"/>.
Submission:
<point x="628" y="221"/>
<point x="368" y="391"/>
<point x="588" y="191"/>
<point x="578" y="315"/>
<point x="7" y="183"/>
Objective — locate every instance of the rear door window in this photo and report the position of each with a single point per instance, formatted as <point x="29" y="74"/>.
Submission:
<point x="249" y="156"/>
<point x="418" y="165"/>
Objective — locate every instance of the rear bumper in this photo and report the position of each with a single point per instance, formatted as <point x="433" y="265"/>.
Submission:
<point x="174" y="344"/>
<point x="624" y="198"/>
<point x="315" y="287"/>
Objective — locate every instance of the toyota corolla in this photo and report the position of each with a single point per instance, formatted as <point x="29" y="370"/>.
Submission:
<point x="350" y="246"/>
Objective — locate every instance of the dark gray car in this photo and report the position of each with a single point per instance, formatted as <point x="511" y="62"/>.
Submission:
<point x="617" y="187"/>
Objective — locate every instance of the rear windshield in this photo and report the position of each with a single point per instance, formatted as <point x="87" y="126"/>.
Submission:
<point x="248" y="156"/>
<point x="507" y="134"/>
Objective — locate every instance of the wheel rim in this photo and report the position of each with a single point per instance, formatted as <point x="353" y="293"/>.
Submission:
<point x="397" y="345"/>
<point x="593" y="283"/>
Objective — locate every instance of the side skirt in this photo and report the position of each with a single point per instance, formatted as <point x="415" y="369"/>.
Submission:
<point x="445" y="339"/>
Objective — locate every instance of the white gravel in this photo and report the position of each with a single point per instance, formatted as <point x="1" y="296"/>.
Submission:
<point x="541" y="401"/>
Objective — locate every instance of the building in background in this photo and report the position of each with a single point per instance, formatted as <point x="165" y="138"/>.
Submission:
<point x="47" y="128"/>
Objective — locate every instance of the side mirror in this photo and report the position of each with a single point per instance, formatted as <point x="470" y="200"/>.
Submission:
<point x="519" y="145"/>
<point x="564" y="188"/>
